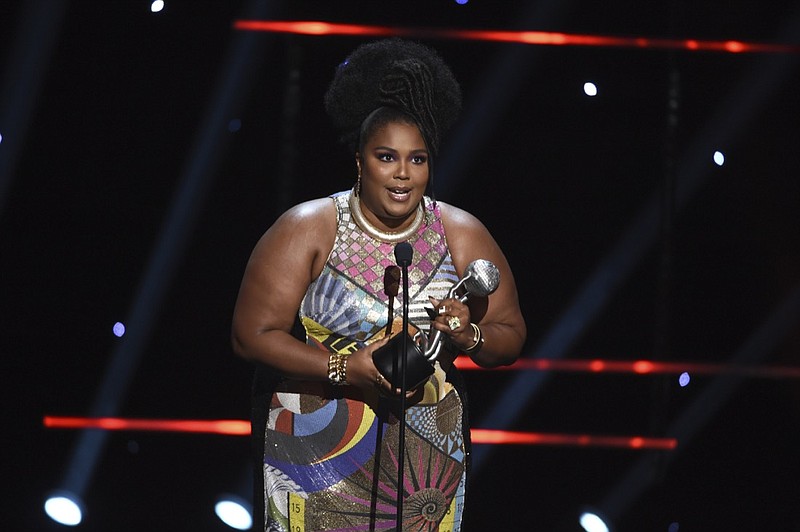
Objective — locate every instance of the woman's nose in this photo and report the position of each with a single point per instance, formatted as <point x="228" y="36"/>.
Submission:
<point x="401" y="172"/>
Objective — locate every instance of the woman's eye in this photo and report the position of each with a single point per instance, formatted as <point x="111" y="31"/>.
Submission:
<point x="385" y="157"/>
<point x="420" y="159"/>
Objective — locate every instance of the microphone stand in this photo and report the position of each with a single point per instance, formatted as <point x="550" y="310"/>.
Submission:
<point x="403" y="254"/>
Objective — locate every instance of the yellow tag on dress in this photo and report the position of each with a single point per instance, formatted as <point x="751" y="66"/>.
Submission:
<point x="297" y="513"/>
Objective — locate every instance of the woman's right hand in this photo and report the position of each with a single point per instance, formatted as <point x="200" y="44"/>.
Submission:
<point x="362" y="373"/>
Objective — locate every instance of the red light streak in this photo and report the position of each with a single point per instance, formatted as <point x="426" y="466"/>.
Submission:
<point x="314" y="28"/>
<point x="639" y="367"/>
<point x="642" y="367"/>
<point x="541" y="38"/>
<point x="237" y="427"/>
<point x="231" y="427"/>
<point x="597" y="366"/>
<point x="573" y="440"/>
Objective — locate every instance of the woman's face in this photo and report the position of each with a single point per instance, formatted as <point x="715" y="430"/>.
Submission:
<point x="394" y="173"/>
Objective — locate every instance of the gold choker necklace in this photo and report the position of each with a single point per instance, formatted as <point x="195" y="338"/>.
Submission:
<point x="385" y="236"/>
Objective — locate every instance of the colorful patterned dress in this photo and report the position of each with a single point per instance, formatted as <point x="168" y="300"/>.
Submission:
<point x="329" y="453"/>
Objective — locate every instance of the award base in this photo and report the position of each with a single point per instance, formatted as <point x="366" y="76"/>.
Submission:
<point x="419" y="369"/>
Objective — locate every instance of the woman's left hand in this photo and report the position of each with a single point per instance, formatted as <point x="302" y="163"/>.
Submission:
<point x="453" y="319"/>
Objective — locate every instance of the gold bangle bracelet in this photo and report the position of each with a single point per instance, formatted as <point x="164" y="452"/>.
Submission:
<point x="337" y="369"/>
<point x="477" y="339"/>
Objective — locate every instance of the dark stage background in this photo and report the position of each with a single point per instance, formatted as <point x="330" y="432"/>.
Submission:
<point x="126" y="111"/>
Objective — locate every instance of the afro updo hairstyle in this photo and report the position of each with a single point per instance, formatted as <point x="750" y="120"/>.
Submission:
<point x="394" y="73"/>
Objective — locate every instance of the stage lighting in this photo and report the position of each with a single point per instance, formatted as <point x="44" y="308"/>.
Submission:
<point x="590" y="88"/>
<point x="684" y="379"/>
<point x="64" y="508"/>
<point x="234" y="511"/>
<point x="157" y="6"/>
<point x="719" y="158"/>
<point x="119" y="329"/>
<point x="592" y="522"/>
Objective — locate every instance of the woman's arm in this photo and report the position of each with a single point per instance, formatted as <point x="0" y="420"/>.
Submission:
<point x="287" y="258"/>
<point x="498" y="315"/>
<point x="282" y="265"/>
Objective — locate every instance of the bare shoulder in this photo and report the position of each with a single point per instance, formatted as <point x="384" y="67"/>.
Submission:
<point x="316" y="218"/>
<point x="304" y="233"/>
<point x="313" y="212"/>
<point x="468" y="238"/>
<point x="460" y="222"/>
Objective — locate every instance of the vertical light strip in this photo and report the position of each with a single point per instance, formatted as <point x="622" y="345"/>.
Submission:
<point x="196" y="177"/>
<point x="29" y="56"/>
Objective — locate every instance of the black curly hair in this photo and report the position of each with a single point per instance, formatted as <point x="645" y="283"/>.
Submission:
<point x="394" y="73"/>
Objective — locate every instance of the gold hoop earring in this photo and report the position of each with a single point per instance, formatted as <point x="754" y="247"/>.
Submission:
<point x="357" y="188"/>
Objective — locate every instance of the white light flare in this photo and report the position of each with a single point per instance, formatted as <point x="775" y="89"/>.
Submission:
<point x="592" y="522"/>
<point x="234" y="512"/>
<point x="64" y="509"/>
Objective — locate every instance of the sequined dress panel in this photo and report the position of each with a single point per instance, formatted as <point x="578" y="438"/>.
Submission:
<point x="331" y="453"/>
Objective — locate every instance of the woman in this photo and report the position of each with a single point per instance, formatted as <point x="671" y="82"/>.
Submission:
<point x="325" y="421"/>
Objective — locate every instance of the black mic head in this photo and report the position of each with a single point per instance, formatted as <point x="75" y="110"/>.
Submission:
<point x="391" y="281"/>
<point x="403" y="253"/>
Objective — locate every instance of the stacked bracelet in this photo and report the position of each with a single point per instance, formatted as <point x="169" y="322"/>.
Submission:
<point x="477" y="340"/>
<point x="337" y="369"/>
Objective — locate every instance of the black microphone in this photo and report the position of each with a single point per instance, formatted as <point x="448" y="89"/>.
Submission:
<point x="403" y="254"/>
<point x="391" y="281"/>
<point x="391" y="286"/>
<point x="401" y="349"/>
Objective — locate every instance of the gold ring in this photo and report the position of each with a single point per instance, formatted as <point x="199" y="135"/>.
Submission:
<point x="454" y="323"/>
<point x="379" y="380"/>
